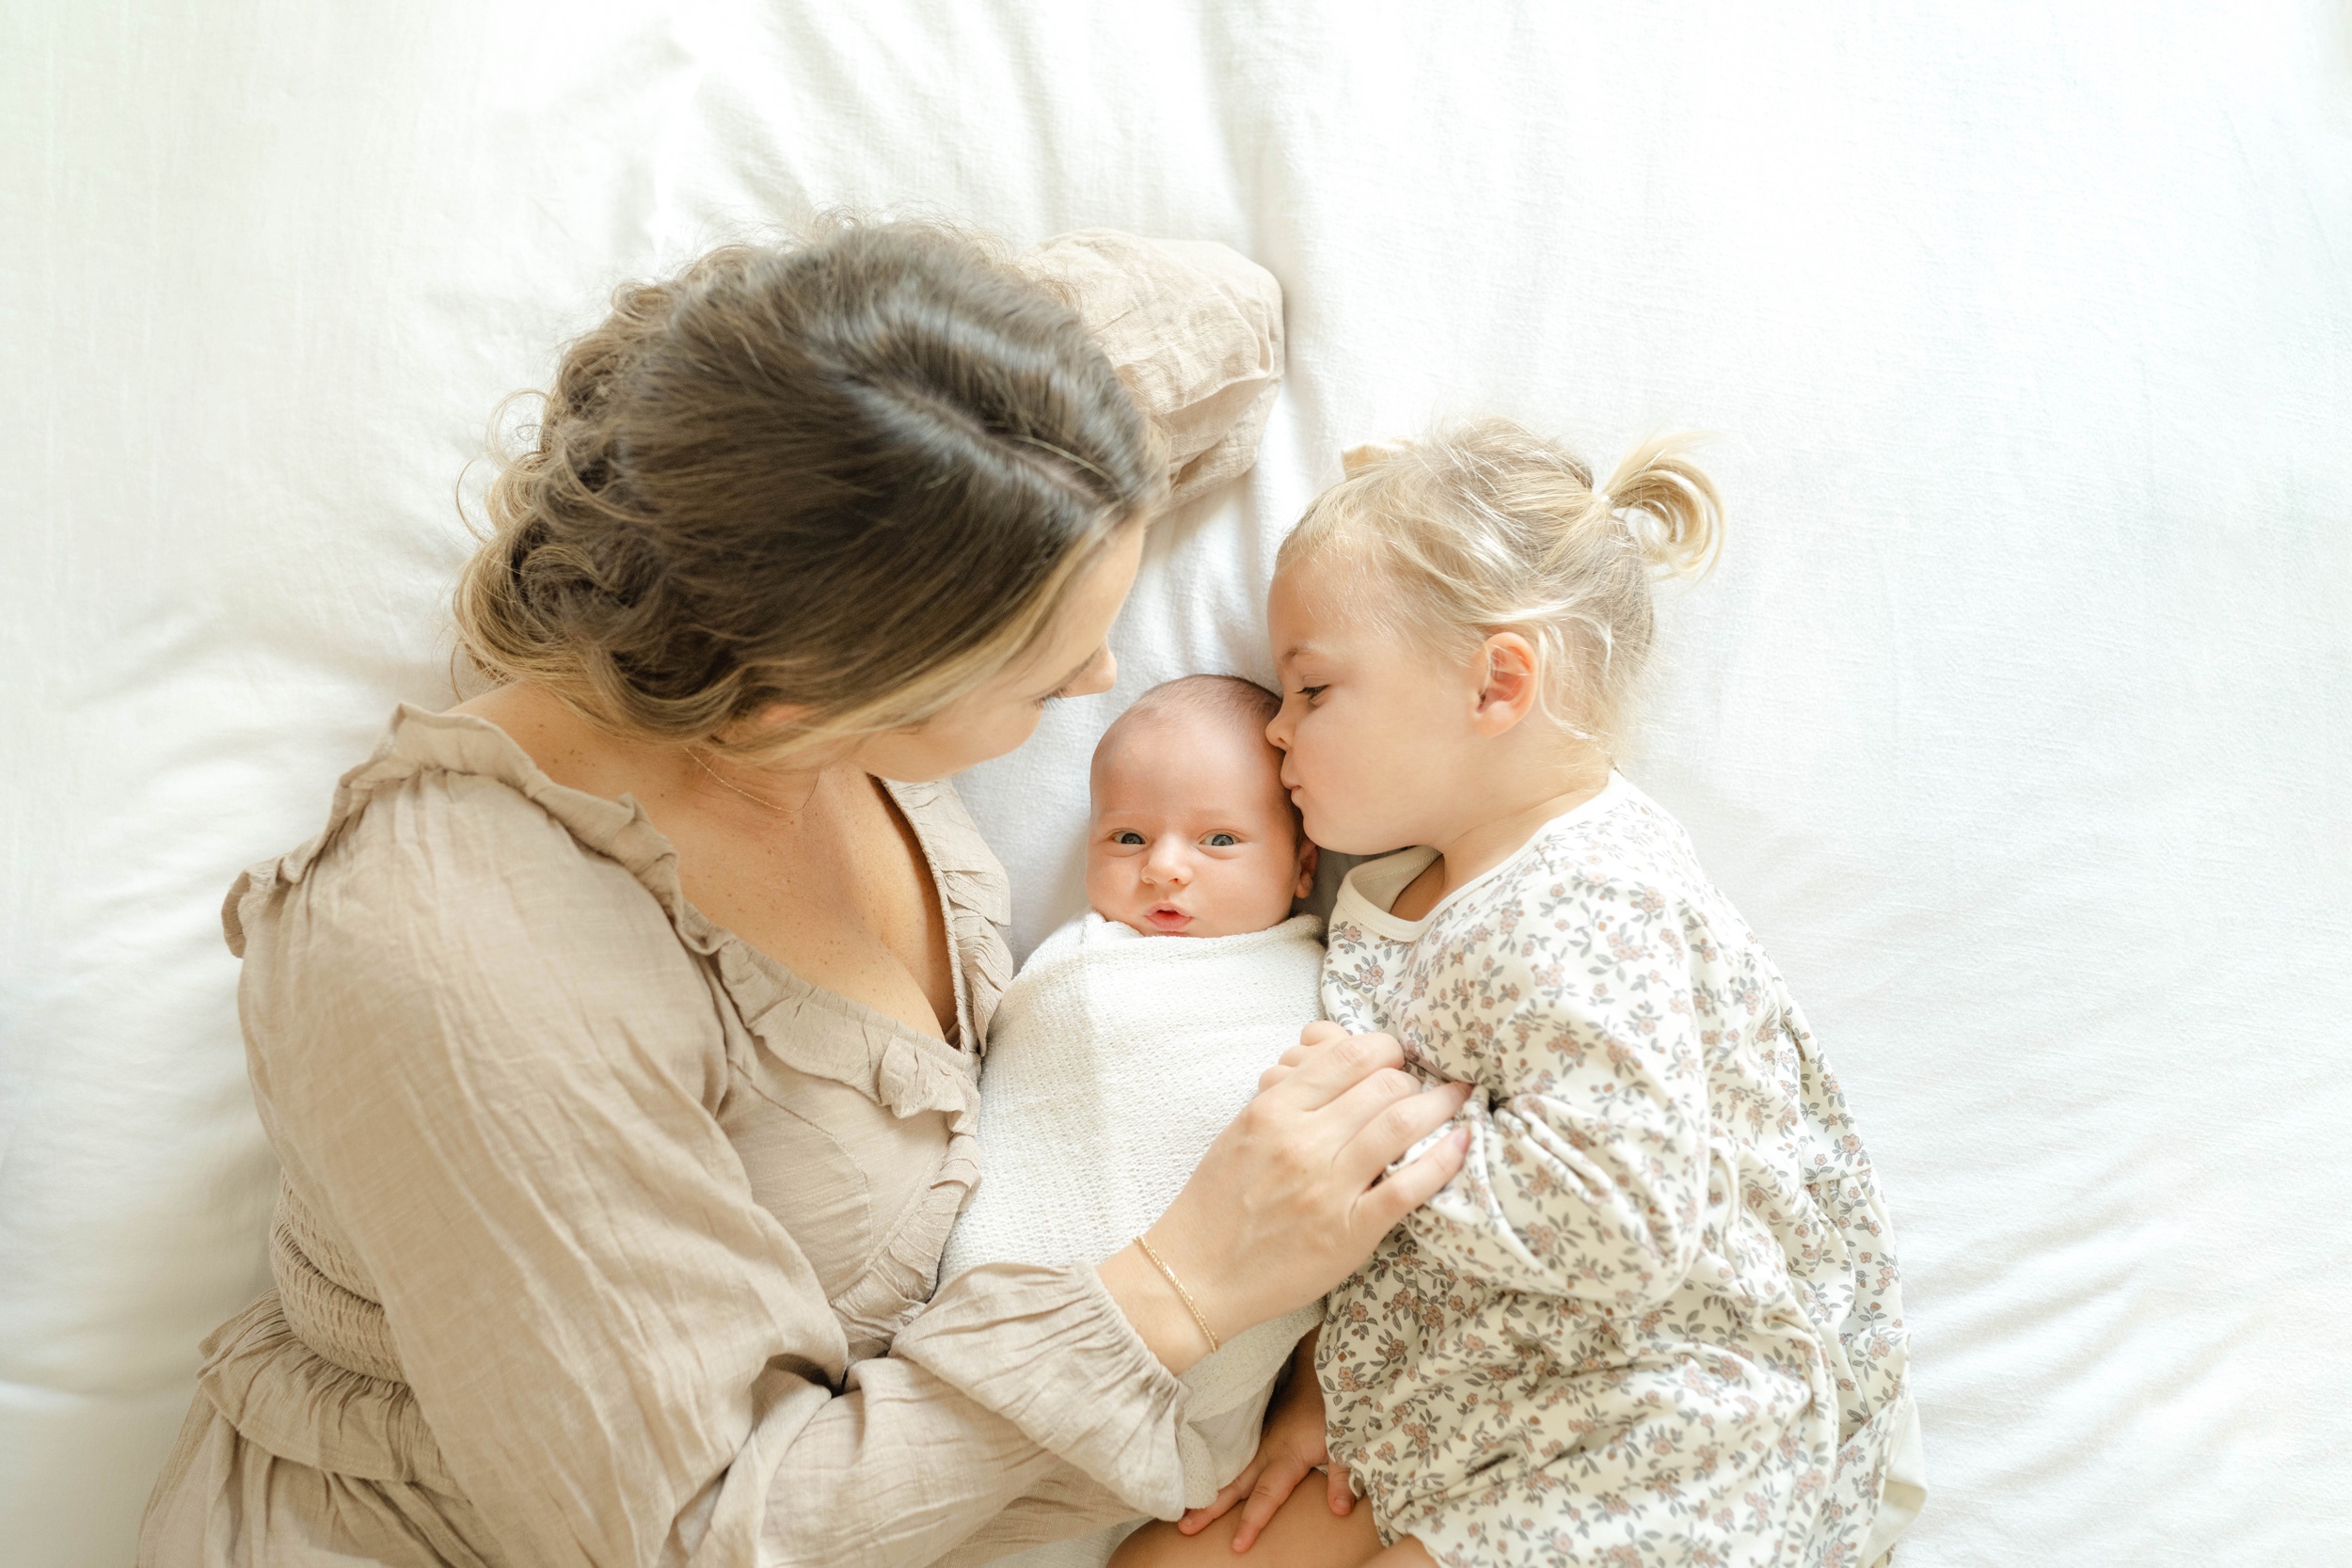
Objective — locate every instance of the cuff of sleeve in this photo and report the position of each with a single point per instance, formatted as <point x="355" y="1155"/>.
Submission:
<point x="1050" y="1351"/>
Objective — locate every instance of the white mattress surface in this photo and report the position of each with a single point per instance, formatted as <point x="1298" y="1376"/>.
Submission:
<point x="2018" y="717"/>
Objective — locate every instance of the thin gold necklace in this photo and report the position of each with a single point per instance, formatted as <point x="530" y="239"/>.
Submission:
<point x="738" y="789"/>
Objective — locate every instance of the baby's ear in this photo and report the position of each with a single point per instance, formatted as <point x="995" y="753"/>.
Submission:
<point x="1310" y="857"/>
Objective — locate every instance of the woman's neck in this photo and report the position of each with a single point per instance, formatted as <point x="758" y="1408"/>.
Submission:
<point x="578" y="755"/>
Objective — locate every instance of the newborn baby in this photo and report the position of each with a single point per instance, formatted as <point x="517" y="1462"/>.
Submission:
<point x="1137" y="1031"/>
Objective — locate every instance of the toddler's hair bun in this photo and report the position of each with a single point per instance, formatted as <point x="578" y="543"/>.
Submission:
<point x="1678" y="513"/>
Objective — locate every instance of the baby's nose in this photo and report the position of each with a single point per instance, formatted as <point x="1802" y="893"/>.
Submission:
<point x="1168" y="863"/>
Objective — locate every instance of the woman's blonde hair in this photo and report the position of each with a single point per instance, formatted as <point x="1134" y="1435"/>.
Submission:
<point x="857" y="476"/>
<point x="1484" y="528"/>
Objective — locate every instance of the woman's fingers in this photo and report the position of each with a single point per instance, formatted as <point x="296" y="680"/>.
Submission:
<point x="1325" y="1072"/>
<point x="1385" y="1123"/>
<point x="1408" y="1189"/>
<point x="1338" y="1491"/>
<point x="1281" y="1478"/>
<point x="1320" y="1033"/>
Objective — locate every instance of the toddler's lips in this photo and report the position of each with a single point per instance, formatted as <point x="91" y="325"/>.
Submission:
<point x="1168" y="917"/>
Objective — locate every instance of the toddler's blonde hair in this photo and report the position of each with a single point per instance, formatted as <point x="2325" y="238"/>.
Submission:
<point x="1486" y="527"/>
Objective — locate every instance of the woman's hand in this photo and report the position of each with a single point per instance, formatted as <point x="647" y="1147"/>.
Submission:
<point x="1289" y="1448"/>
<point x="1290" y="1199"/>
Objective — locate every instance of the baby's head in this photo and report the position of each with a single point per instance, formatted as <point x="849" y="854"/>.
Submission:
<point x="1192" y="832"/>
<point x="1460" y="621"/>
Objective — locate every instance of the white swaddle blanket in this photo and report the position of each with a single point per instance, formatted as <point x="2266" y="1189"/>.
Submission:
<point x="1113" y="1061"/>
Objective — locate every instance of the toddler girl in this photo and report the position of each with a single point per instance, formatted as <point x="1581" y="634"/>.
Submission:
<point x="1656" y="1319"/>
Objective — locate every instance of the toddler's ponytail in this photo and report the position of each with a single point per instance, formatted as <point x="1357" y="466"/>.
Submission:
<point x="1487" y="528"/>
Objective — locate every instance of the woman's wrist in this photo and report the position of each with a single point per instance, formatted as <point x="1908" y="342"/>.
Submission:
<point x="1172" y="1327"/>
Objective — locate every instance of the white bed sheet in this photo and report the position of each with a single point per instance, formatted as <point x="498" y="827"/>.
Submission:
<point x="2016" y="718"/>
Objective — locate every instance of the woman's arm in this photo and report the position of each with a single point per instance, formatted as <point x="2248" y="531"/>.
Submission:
<point x="1195" y="329"/>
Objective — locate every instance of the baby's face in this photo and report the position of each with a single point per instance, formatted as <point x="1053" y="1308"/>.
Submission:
<point x="1192" y="833"/>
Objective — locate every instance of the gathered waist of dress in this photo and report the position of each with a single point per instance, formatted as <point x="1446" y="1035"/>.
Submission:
<point x="309" y="1372"/>
<point x="338" y="1324"/>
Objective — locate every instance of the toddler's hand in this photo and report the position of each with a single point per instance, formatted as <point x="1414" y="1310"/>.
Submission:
<point x="1291" y="1445"/>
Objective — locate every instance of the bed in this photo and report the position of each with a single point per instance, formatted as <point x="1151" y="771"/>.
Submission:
<point x="2018" y="717"/>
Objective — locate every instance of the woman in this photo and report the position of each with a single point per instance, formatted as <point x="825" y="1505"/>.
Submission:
<point x="619" y="1034"/>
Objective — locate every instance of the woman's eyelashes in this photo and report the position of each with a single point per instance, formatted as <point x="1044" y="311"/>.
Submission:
<point x="1311" y="693"/>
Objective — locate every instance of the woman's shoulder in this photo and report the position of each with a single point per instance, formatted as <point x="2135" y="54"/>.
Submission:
<point x="449" y="828"/>
<point x="455" y="918"/>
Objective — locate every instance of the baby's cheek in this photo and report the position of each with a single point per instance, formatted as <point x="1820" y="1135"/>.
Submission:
<point x="1102" y="880"/>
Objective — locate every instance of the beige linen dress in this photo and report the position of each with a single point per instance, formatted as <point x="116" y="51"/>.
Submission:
<point x="604" y="1239"/>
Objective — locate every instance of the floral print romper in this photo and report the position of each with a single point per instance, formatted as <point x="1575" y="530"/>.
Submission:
<point x="1656" y="1319"/>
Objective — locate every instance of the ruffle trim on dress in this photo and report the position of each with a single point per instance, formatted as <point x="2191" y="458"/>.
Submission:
<point x="896" y="1282"/>
<point x="975" y="897"/>
<point x="283" y="1395"/>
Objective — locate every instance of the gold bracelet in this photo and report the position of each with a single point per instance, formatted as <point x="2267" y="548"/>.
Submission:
<point x="1190" y="1306"/>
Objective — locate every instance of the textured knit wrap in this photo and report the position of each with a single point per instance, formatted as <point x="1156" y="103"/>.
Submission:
<point x="1115" y="1059"/>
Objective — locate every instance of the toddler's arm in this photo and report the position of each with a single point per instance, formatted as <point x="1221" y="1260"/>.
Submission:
<point x="1588" y="1160"/>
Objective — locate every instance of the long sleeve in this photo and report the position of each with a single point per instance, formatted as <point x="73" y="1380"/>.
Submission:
<point x="1195" y="330"/>
<point x="491" y="1065"/>
<point x="1586" y="1174"/>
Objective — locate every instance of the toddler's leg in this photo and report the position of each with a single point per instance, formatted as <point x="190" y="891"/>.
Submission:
<point x="1407" y="1553"/>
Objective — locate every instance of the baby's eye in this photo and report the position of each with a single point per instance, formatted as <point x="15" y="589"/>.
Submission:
<point x="1222" y="841"/>
<point x="1130" y="837"/>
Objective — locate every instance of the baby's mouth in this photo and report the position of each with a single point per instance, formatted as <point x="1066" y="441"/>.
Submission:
<point x="1167" y="917"/>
